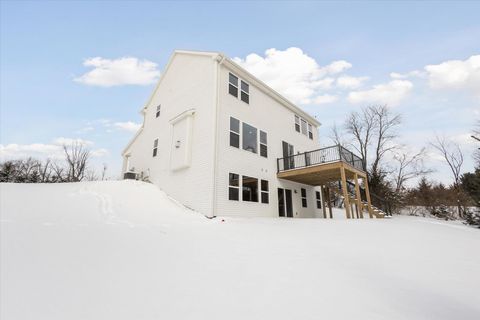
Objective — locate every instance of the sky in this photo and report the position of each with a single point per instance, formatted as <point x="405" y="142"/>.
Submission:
<point x="81" y="71"/>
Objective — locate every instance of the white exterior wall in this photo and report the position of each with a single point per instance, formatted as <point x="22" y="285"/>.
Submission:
<point x="266" y="114"/>
<point x="188" y="83"/>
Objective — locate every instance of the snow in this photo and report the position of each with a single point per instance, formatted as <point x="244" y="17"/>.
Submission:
<point x="124" y="250"/>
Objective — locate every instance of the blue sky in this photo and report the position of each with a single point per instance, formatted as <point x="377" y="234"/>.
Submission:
<point x="44" y="45"/>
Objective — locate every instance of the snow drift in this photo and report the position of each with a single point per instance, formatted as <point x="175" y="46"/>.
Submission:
<point x="124" y="250"/>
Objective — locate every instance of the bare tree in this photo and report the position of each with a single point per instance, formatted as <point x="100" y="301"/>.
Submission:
<point x="476" y="136"/>
<point x="361" y="126"/>
<point x="453" y="156"/>
<point x="104" y="171"/>
<point x="408" y="166"/>
<point x="77" y="158"/>
<point x="386" y="123"/>
<point x="336" y="136"/>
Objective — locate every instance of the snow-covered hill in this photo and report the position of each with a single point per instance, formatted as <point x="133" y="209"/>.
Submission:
<point x="124" y="250"/>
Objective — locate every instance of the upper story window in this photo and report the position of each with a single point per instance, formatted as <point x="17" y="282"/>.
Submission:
<point x="233" y="85"/>
<point x="249" y="138"/>
<point x="234" y="132"/>
<point x="245" y="95"/>
<point x="263" y="144"/>
<point x="319" y="200"/>
<point x="233" y="88"/>
<point x="157" y="114"/>
<point x="302" y="126"/>
<point x="155" y="147"/>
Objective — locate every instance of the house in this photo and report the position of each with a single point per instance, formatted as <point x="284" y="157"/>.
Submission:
<point x="222" y="142"/>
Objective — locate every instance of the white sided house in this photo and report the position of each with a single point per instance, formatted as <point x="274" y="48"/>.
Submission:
<point x="223" y="143"/>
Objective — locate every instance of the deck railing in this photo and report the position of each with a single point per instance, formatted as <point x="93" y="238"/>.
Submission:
<point x="319" y="156"/>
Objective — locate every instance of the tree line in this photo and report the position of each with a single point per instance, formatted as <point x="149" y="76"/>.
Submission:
<point x="373" y="133"/>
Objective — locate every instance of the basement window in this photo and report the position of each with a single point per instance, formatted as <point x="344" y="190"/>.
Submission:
<point x="234" y="132"/>
<point x="155" y="147"/>
<point x="263" y="144"/>
<point x="264" y="190"/>
<point x="249" y="189"/>
<point x="233" y="186"/>
<point x="233" y="85"/>
<point x="319" y="200"/>
<point x="304" y="197"/>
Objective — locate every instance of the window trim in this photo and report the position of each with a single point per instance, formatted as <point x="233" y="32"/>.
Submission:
<point x="233" y="85"/>
<point x="247" y="93"/>
<point x="256" y="138"/>
<point x="155" y="148"/>
<point x="263" y="144"/>
<point x="303" y="194"/>
<point x="231" y="186"/>
<point x="264" y="192"/>
<point x="319" y="199"/>
<point x="238" y="134"/>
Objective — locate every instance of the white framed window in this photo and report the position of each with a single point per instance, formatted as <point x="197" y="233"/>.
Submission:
<point x="157" y="114"/>
<point x="310" y="131"/>
<point x="249" y="138"/>
<point x="297" y="123"/>
<point x="155" y="147"/>
<point x="245" y="89"/>
<point x="249" y="189"/>
<point x="304" y="127"/>
<point x="233" y="186"/>
<point x="263" y="144"/>
<point x="319" y="200"/>
<point x="304" y="197"/>
<point x="264" y="191"/>
<point x="233" y="85"/>
<point x="234" y="132"/>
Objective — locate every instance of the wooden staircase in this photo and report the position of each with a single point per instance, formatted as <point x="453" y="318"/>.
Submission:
<point x="363" y="205"/>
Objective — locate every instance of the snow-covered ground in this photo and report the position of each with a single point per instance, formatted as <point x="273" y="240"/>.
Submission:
<point x="123" y="250"/>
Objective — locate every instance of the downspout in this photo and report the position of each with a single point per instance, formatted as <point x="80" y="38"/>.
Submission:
<point x="218" y="61"/>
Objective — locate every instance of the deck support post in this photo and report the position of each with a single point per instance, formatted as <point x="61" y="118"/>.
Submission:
<point x="345" y="192"/>
<point x="329" y="204"/>
<point x="367" y="192"/>
<point x="358" y="196"/>
<point x="324" y="210"/>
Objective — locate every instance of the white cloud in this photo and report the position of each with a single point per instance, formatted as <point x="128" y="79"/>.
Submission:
<point x="117" y="72"/>
<point x="348" y="82"/>
<point x="411" y="74"/>
<point x="391" y="93"/>
<point x="293" y="73"/>
<point x="456" y="74"/>
<point x="52" y="150"/>
<point x="127" y="126"/>
<point x="325" y="98"/>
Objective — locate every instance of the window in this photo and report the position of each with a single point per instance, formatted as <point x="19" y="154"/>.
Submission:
<point x="249" y="138"/>
<point x="155" y="147"/>
<point x="233" y="85"/>
<point x="310" y="131"/>
<point x="233" y="187"/>
<point x="304" y="127"/>
<point x="157" y="114"/>
<point x="319" y="200"/>
<point x="249" y="189"/>
<point x="263" y="144"/>
<point x="297" y="123"/>
<point x="244" y="95"/>
<point x="234" y="132"/>
<point x="264" y="190"/>
<point x="304" y="197"/>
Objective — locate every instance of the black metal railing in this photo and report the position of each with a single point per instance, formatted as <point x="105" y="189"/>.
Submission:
<point x="319" y="156"/>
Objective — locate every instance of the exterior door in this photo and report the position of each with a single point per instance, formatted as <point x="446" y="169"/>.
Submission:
<point x="285" y="207"/>
<point x="288" y="162"/>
